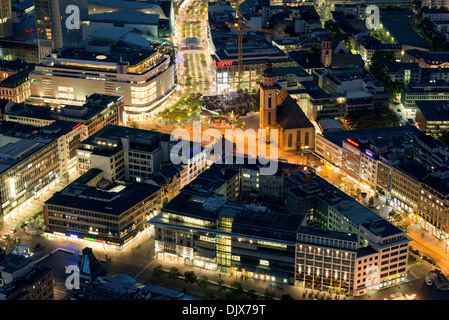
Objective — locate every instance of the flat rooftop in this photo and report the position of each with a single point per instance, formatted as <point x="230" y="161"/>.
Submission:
<point x="111" y="201"/>
<point x="434" y="110"/>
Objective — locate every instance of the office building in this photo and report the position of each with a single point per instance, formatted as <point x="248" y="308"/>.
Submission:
<point x="432" y="117"/>
<point x="361" y="91"/>
<point x="53" y="24"/>
<point x="15" y="80"/>
<point x="5" y="19"/>
<point x="147" y="24"/>
<point x="109" y="213"/>
<point x="36" y="284"/>
<point x="130" y="154"/>
<point x="98" y="112"/>
<point x="308" y="243"/>
<point x="427" y="59"/>
<point x="423" y="91"/>
<point x="404" y="73"/>
<point x="32" y="159"/>
<point x="103" y="64"/>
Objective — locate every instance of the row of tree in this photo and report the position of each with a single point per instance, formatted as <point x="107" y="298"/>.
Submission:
<point x="234" y="292"/>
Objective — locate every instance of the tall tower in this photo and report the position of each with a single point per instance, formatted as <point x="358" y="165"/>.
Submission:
<point x="326" y="52"/>
<point x="52" y="31"/>
<point x="5" y="18"/>
<point x="268" y="95"/>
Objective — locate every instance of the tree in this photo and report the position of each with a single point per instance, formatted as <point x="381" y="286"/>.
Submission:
<point x="252" y="294"/>
<point x="377" y="64"/>
<point x="268" y="295"/>
<point x="158" y="271"/>
<point x="133" y="124"/>
<point x="174" y="273"/>
<point x="221" y="286"/>
<point x="371" y="202"/>
<point x="392" y="214"/>
<point x="238" y="289"/>
<point x="203" y="282"/>
<point x="190" y="276"/>
<point x="287" y="296"/>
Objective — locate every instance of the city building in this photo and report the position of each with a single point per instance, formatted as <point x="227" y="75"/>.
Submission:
<point x="316" y="242"/>
<point x="434" y="4"/>
<point x="15" y="82"/>
<point x="423" y="91"/>
<point x="257" y="52"/>
<point x="405" y="186"/>
<point x="368" y="45"/>
<point x="433" y="14"/>
<point x="146" y="24"/>
<point x="103" y="64"/>
<point x="98" y="112"/>
<point x="52" y="30"/>
<point x="361" y="91"/>
<point x="13" y="49"/>
<point x="432" y="117"/>
<point x="32" y="159"/>
<point x="404" y="73"/>
<point x="15" y="264"/>
<point x="36" y="284"/>
<point x="367" y="155"/>
<point x="401" y="33"/>
<point x="130" y="154"/>
<point x="109" y="213"/>
<point x="279" y="111"/>
<point x="5" y="19"/>
<point x="427" y="59"/>
<point x="234" y="238"/>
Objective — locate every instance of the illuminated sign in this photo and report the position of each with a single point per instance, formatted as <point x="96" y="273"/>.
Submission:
<point x="73" y="128"/>
<point x="352" y="142"/>
<point x="369" y="153"/>
<point x="223" y="63"/>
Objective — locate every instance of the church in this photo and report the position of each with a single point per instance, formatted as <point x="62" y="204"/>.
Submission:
<point x="278" y="110"/>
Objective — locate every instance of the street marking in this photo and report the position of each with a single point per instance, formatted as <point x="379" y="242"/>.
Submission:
<point x="144" y="268"/>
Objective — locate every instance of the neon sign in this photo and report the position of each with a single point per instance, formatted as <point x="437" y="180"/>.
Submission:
<point x="353" y="142"/>
<point x="223" y="63"/>
<point x="369" y="153"/>
<point x="73" y="128"/>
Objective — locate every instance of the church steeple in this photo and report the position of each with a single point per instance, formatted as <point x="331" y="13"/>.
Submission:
<point x="268" y="98"/>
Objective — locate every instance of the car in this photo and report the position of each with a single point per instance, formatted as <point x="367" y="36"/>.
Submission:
<point x="429" y="281"/>
<point x="37" y="245"/>
<point x="398" y="110"/>
<point x="412" y="258"/>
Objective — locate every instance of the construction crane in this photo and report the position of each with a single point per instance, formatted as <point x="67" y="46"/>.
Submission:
<point x="240" y="26"/>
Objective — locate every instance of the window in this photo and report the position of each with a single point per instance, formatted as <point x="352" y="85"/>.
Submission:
<point x="306" y="140"/>
<point x="298" y="136"/>
<point x="290" y="139"/>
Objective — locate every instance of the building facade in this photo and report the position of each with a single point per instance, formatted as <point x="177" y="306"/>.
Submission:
<point x="144" y="76"/>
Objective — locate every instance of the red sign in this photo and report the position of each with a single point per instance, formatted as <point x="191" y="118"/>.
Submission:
<point x="73" y="128"/>
<point x="223" y="63"/>
<point x="353" y="142"/>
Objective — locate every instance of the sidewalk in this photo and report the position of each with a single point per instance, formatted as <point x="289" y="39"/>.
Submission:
<point x="36" y="205"/>
<point x="248" y="284"/>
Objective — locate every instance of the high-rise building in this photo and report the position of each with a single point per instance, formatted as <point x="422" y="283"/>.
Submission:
<point x="5" y="18"/>
<point x="57" y="25"/>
